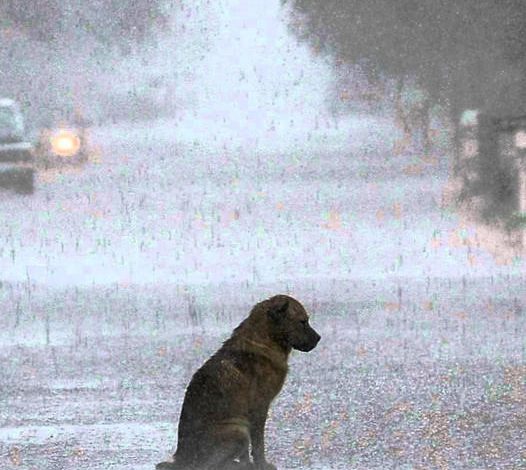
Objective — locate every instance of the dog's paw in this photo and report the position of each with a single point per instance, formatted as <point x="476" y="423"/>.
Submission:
<point x="166" y="466"/>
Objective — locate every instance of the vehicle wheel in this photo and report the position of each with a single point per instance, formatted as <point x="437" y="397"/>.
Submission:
<point x="24" y="182"/>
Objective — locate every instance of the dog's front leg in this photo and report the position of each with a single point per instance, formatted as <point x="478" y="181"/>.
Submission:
<point x="257" y="438"/>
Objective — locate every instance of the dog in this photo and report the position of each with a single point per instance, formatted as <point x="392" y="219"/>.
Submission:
<point x="227" y="401"/>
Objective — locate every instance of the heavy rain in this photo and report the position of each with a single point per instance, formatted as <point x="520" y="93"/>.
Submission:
<point x="165" y="165"/>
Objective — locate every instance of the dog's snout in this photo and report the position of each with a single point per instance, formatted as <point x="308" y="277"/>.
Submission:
<point x="312" y="341"/>
<point x="315" y="339"/>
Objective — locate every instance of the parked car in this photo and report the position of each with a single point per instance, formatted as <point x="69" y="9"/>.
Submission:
<point x="492" y="163"/>
<point x="17" y="170"/>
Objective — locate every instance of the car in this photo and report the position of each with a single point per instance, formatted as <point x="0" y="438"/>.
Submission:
<point x="17" y="169"/>
<point x="491" y="163"/>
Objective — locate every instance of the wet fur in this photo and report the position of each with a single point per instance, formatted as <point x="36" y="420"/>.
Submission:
<point x="227" y="401"/>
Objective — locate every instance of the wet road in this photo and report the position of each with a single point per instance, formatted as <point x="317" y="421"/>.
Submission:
<point x="120" y="278"/>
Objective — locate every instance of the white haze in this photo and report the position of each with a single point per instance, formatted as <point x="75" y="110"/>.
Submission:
<point x="230" y="73"/>
<point x="244" y="178"/>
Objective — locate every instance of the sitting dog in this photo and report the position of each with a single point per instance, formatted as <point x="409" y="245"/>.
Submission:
<point x="227" y="401"/>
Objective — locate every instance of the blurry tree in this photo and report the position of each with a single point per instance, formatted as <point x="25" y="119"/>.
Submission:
<point x="455" y="50"/>
<point x="55" y="53"/>
<point x="41" y="19"/>
<point x="463" y="54"/>
<point x="108" y="21"/>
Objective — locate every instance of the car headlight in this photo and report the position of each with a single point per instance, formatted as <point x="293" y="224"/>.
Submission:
<point x="65" y="143"/>
<point x="520" y="139"/>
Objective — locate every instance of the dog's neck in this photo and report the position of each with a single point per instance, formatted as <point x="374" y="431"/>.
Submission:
<point x="278" y="357"/>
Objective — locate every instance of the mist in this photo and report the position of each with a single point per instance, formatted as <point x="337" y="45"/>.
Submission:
<point x="223" y="158"/>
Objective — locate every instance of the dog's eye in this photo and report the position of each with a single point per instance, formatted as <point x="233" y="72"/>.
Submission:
<point x="304" y="322"/>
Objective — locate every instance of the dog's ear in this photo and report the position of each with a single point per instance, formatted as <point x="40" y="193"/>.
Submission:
<point x="278" y="309"/>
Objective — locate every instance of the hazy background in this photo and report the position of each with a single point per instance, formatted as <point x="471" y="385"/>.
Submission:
<point x="241" y="149"/>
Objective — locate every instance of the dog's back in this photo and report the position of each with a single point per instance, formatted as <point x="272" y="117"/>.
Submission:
<point x="229" y="396"/>
<point x="215" y="398"/>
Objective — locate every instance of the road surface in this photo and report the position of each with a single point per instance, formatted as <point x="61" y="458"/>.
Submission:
<point x="119" y="279"/>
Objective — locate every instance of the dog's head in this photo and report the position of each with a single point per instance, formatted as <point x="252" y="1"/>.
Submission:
<point x="289" y="323"/>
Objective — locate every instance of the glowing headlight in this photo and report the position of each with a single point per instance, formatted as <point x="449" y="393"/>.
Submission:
<point x="65" y="143"/>
<point x="520" y="139"/>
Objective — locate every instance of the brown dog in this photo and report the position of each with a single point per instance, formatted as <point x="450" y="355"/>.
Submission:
<point x="226" y="403"/>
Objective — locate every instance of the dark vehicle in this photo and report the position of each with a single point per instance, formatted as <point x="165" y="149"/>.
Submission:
<point x="491" y="161"/>
<point x="17" y="170"/>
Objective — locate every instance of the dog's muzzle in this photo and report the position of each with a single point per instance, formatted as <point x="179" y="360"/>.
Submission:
<point x="311" y="342"/>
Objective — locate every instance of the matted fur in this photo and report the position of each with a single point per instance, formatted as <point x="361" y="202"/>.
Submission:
<point x="227" y="401"/>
